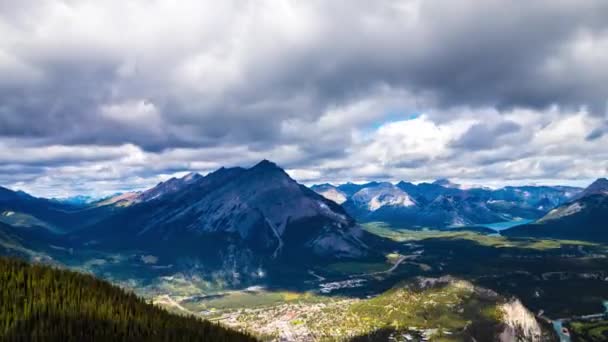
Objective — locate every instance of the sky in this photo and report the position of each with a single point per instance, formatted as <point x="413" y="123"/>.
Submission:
<point x="98" y="97"/>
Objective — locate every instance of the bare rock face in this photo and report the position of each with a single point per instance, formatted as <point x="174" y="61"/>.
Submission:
<point x="330" y="192"/>
<point x="520" y="323"/>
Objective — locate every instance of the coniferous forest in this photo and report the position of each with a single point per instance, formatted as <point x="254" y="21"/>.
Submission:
<point x="42" y="303"/>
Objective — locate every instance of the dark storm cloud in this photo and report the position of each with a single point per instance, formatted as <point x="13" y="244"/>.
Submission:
<point x="292" y="80"/>
<point x="595" y="134"/>
<point x="490" y="53"/>
<point x="484" y="136"/>
<point x="410" y="163"/>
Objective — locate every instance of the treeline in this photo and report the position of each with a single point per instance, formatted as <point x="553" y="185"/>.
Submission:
<point x="41" y="303"/>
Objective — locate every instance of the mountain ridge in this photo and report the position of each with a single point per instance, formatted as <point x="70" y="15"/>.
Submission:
<point x="583" y="218"/>
<point x="444" y="204"/>
<point x="258" y="211"/>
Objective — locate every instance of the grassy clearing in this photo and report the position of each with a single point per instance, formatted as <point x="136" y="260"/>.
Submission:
<point x="234" y="300"/>
<point x="590" y="331"/>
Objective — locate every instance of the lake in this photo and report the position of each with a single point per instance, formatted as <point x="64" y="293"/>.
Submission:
<point x="498" y="226"/>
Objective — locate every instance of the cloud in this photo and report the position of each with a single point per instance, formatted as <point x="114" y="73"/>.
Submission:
<point x="201" y="84"/>
<point x="485" y="136"/>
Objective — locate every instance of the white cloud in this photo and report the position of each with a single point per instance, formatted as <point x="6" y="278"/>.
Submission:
<point x="138" y="113"/>
<point x="116" y="93"/>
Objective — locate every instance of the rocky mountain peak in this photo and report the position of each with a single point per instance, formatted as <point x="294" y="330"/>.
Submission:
<point x="191" y="177"/>
<point x="446" y="183"/>
<point x="598" y="187"/>
<point x="266" y="164"/>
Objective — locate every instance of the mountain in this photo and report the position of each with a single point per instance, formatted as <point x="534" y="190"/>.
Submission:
<point x="382" y="195"/>
<point x="78" y="200"/>
<point x="351" y="188"/>
<point x="330" y="192"/>
<point x="446" y="183"/>
<point x="456" y="211"/>
<point x="445" y="204"/>
<point x="599" y="187"/>
<point x="170" y="186"/>
<point x="381" y="202"/>
<point x="543" y="198"/>
<point x="232" y="216"/>
<point x="119" y="200"/>
<point x="584" y="218"/>
<point x="161" y="189"/>
<point x="427" y="192"/>
<point x="423" y="205"/>
<point x="21" y="209"/>
<point x="32" y="243"/>
<point x="42" y="303"/>
<point x="390" y="203"/>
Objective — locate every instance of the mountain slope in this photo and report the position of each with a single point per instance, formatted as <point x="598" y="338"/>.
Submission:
<point x="585" y="218"/>
<point x="259" y="211"/>
<point x="381" y="202"/>
<point x="351" y="188"/>
<point x="53" y="215"/>
<point x="330" y="192"/>
<point x="27" y="242"/>
<point x="42" y="303"/>
<point x="450" y="211"/>
<point x="119" y="200"/>
<point x="432" y="206"/>
<point x="599" y="187"/>
<point x="168" y="187"/>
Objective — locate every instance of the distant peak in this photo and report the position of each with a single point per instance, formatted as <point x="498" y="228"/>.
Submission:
<point x="599" y="184"/>
<point x="446" y="183"/>
<point x="192" y="176"/>
<point x="598" y="187"/>
<point x="266" y="164"/>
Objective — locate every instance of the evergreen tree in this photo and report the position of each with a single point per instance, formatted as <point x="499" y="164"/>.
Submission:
<point x="41" y="303"/>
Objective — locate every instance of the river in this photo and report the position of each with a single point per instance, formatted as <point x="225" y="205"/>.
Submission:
<point x="558" y="325"/>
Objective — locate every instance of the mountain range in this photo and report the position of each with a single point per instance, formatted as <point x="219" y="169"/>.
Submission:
<point x="585" y="217"/>
<point x="444" y="204"/>
<point x="233" y="219"/>
<point x="243" y="220"/>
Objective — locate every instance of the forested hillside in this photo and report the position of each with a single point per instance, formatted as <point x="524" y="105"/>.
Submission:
<point x="41" y="303"/>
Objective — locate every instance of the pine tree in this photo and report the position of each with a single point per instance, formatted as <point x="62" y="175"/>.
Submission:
<point x="41" y="303"/>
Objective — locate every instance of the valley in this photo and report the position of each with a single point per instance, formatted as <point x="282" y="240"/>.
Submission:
<point x="345" y="299"/>
<point x="253" y="250"/>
